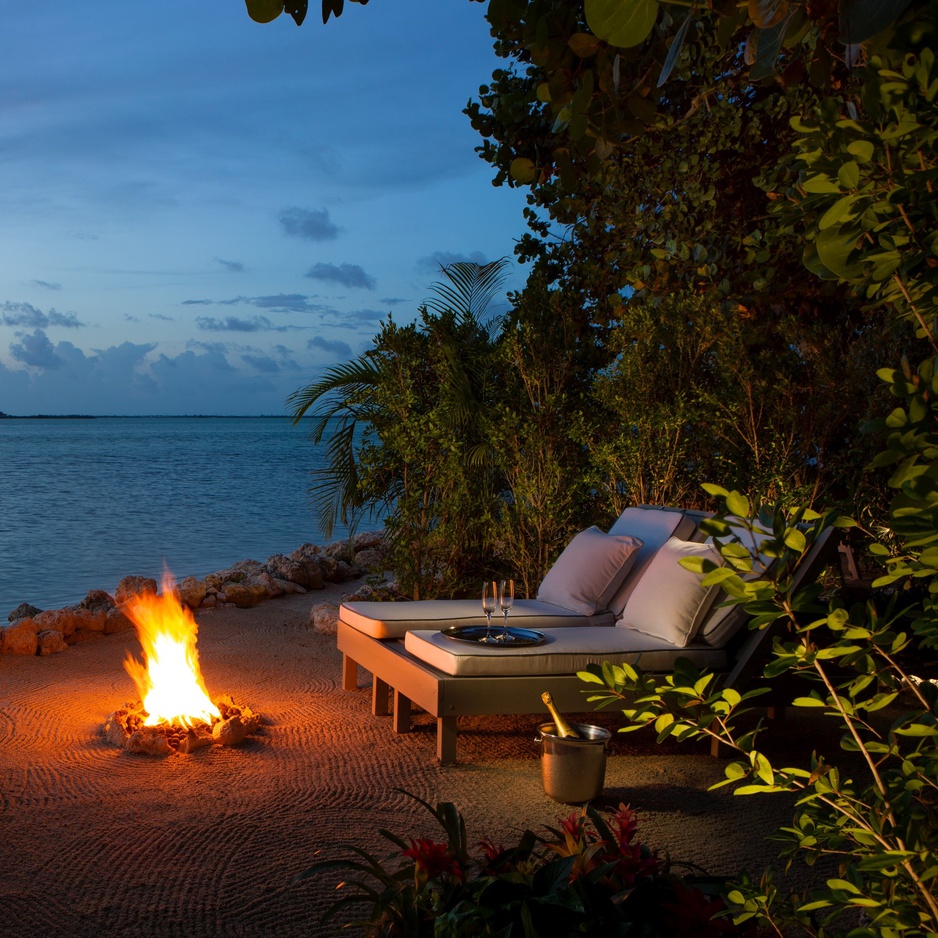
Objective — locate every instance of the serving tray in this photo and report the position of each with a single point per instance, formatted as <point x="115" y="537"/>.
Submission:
<point x="475" y="634"/>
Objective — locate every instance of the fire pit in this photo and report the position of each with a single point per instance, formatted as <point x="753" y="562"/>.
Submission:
<point x="175" y="712"/>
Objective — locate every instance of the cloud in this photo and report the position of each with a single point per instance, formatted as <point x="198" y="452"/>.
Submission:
<point x="161" y="316"/>
<point x="46" y="284"/>
<point x="233" y="324"/>
<point x="36" y="351"/>
<point x="262" y="363"/>
<point x="348" y="275"/>
<point x="311" y="225"/>
<point x="334" y="347"/>
<point x="234" y="266"/>
<point x="393" y="300"/>
<point x="432" y="263"/>
<point x="25" y="314"/>
<point x="277" y="303"/>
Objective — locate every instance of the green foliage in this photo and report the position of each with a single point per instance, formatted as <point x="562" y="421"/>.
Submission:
<point x="875" y="815"/>
<point x="866" y="174"/>
<point x="588" y="876"/>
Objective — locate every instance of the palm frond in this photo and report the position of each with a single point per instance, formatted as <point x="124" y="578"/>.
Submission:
<point x="470" y="291"/>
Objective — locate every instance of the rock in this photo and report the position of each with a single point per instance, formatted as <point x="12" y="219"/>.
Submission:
<point x="324" y="618"/>
<point x="82" y="635"/>
<point x="116" y="621"/>
<point x="132" y="586"/>
<point x="338" y="551"/>
<point x="229" y="732"/>
<point x="23" y="611"/>
<point x="345" y="571"/>
<point x="193" y="741"/>
<point x="370" y="559"/>
<point x="19" y="637"/>
<point x="286" y="586"/>
<point x="50" y="641"/>
<point x="97" y="600"/>
<point x="191" y="592"/>
<point x="213" y="583"/>
<point x="114" y="731"/>
<point x="149" y="742"/>
<point x="296" y="571"/>
<point x="244" y="594"/>
<point x="240" y="571"/>
<point x="270" y="584"/>
<point x="368" y="540"/>
<point x="210" y="601"/>
<point x="221" y="598"/>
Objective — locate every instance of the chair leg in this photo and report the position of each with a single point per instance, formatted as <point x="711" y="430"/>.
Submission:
<point x="714" y="747"/>
<point x="776" y="713"/>
<point x="446" y="740"/>
<point x="401" y="712"/>
<point x="349" y="673"/>
<point x="379" y="697"/>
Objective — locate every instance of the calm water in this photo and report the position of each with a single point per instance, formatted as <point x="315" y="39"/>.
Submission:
<point x="86" y="502"/>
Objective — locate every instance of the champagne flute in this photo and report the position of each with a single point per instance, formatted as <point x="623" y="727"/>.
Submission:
<point x="489" y="604"/>
<point x="506" y="599"/>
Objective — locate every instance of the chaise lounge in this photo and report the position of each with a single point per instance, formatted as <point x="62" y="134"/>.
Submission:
<point x="620" y="597"/>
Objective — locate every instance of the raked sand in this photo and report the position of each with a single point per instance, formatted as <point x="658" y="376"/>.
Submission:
<point x="95" y="841"/>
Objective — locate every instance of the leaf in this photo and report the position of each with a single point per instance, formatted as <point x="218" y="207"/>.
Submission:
<point x="264" y="11"/>
<point x="674" y="50"/>
<point x="862" y="150"/>
<point x="862" y="19"/>
<point x="523" y="170"/>
<point x="842" y="210"/>
<point x="767" y="13"/>
<point x="622" y="23"/>
<point x="834" y="247"/>
<point x="584" y="45"/>
<point x="769" y="45"/>
<point x="849" y="175"/>
<point x="808" y="702"/>
<point x="737" y="504"/>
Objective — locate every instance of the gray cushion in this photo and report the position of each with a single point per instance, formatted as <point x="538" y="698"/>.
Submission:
<point x="669" y="602"/>
<point x="385" y="620"/>
<point x="565" y="652"/>
<point x="652" y="526"/>
<point x="590" y="570"/>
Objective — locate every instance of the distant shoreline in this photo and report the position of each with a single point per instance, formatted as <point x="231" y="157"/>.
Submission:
<point x="46" y="416"/>
<point x="4" y="416"/>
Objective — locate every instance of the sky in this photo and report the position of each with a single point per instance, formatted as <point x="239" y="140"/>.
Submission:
<point x="200" y="214"/>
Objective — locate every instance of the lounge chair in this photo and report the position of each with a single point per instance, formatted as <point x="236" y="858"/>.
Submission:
<point x="590" y="611"/>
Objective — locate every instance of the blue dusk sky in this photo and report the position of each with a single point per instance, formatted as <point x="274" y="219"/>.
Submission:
<point x="199" y="214"/>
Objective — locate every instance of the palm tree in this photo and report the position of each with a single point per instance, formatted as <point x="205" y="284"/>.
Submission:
<point x="346" y="401"/>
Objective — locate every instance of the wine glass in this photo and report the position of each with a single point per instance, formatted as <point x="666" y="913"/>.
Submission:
<point x="506" y="599"/>
<point x="489" y="604"/>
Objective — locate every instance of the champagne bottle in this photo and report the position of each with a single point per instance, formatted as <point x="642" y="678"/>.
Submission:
<point x="564" y="729"/>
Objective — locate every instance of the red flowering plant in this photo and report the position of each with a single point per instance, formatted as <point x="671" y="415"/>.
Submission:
<point x="589" y="876"/>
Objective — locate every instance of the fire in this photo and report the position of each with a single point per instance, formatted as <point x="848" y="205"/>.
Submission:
<point x="168" y="680"/>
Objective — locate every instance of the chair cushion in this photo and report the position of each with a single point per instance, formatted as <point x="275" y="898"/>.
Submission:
<point x="565" y="652"/>
<point x="668" y="602"/>
<point x="586" y="576"/>
<point x="652" y="526"/>
<point x="385" y="620"/>
<point x="724" y="622"/>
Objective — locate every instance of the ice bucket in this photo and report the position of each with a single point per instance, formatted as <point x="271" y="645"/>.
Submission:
<point x="573" y="770"/>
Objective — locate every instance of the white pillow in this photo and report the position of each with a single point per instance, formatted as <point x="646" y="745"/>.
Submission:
<point x="668" y="601"/>
<point x="652" y="526"/>
<point x="589" y="571"/>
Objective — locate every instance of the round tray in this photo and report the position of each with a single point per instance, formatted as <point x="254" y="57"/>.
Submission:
<point x="516" y="638"/>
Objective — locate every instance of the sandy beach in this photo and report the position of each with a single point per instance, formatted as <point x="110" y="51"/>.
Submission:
<point x="99" y="842"/>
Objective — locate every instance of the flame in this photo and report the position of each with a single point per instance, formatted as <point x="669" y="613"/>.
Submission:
<point x="168" y="680"/>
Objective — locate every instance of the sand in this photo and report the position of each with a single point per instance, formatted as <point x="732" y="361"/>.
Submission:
<point x="95" y="841"/>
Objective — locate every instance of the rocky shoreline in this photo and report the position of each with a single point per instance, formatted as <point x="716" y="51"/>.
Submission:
<point x="32" y="631"/>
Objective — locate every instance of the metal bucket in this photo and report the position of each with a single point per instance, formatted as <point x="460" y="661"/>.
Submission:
<point x="573" y="770"/>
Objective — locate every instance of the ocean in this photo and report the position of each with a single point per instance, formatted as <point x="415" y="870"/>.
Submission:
<point x="85" y="502"/>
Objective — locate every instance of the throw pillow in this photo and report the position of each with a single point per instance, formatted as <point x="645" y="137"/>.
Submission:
<point x="668" y="601"/>
<point x="589" y="571"/>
